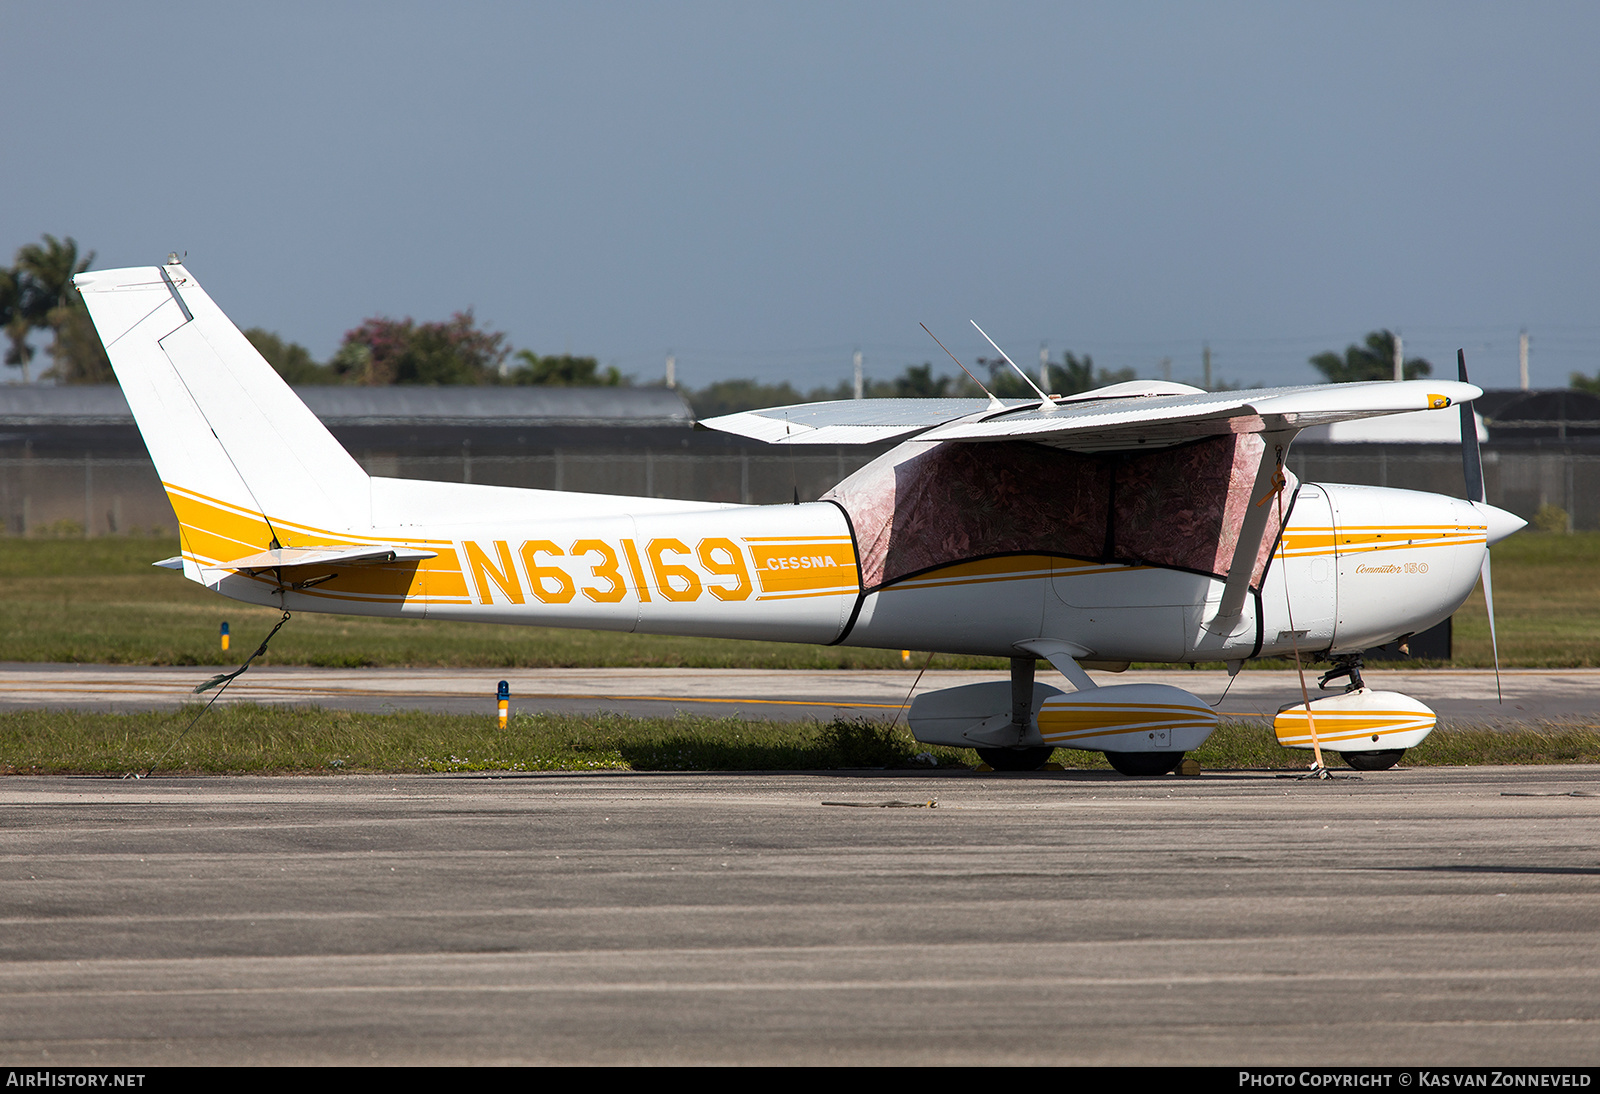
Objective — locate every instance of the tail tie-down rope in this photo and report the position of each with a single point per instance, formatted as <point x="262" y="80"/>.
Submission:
<point x="220" y="682"/>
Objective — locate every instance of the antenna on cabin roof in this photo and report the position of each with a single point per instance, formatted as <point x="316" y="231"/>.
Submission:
<point x="994" y="404"/>
<point x="1048" y="403"/>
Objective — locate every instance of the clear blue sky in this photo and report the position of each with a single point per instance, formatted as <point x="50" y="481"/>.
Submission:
<point x="762" y="188"/>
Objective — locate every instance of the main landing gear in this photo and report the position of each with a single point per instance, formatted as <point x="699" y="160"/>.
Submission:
<point x="1145" y="763"/>
<point x="1032" y="757"/>
<point x="1127" y="763"/>
<point x="1016" y="759"/>
<point x="1019" y="759"/>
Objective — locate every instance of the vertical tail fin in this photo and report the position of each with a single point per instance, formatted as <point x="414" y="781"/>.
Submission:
<point x="246" y="464"/>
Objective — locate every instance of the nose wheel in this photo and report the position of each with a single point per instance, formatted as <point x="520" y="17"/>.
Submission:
<point x="1378" y="760"/>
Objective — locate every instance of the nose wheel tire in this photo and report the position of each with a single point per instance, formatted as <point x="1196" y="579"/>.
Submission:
<point x="1374" y="761"/>
<point x="1144" y="763"/>
<point x="1015" y="759"/>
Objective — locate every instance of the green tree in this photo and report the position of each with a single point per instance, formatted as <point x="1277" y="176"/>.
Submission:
<point x="846" y="389"/>
<point x="918" y="382"/>
<point x="47" y="268"/>
<point x="1580" y="382"/>
<point x="732" y="396"/>
<point x="290" y="360"/>
<point x="78" y="355"/>
<point x="563" y="370"/>
<point x="1372" y="361"/>
<point x="389" y="351"/>
<point x="16" y="318"/>
<point x="1071" y="377"/>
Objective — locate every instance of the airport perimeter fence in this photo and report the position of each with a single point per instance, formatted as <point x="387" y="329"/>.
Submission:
<point x="97" y="495"/>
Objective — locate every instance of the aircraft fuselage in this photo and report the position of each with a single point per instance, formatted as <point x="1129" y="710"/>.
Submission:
<point x="1362" y="566"/>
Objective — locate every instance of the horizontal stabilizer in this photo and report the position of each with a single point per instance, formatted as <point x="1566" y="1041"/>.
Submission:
<point x="297" y="558"/>
<point x="282" y="557"/>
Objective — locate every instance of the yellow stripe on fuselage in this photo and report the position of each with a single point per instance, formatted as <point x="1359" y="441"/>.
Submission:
<point x="215" y="531"/>
<point x="781" y="567"/>
<point x="1005" y="568"/>
<point x="1305" y="542"/>
<point x="789" y="567"/>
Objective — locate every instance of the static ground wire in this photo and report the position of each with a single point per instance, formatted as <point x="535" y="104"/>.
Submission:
<point x="222" y="679"/>
<point x="907" y="704"/>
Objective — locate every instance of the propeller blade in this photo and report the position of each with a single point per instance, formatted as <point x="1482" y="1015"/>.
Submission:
<point x="1472" y="467"/>
<point x="1488" y="600"/>
<point x="1471" y="458"/>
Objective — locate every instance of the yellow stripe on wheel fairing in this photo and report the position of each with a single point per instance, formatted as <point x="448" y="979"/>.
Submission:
<point x="1071" y="721"/>
<point x="1335" y="726"/>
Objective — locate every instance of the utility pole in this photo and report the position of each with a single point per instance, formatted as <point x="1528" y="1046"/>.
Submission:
<point x="1522" y="357"/>
<point x="1044" y="366"/>
<point x="1207" y="355"/>
<point x="860" y="378"/>
<point x="672" y="370"/>
<point x="1166" y="369"/>
<point x="1399" y="358"/>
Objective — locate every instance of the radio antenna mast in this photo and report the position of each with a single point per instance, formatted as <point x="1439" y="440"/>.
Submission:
<point x="1046" y="403"/>
<point x="994" y="404"/>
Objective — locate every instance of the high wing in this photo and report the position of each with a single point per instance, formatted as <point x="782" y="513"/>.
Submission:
<point x="1142" y="415"/>
<point x="851" y="421"/>
<point x="1126" y="416"/>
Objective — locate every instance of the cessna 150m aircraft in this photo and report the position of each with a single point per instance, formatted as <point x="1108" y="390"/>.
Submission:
<point x="1140" y="522"/>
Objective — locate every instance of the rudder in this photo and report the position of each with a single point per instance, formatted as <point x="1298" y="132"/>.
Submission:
<point x="242" y="459"/>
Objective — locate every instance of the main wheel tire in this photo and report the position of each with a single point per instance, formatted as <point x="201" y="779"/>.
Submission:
<point x="1144" y="763"/>
<point x="1016" y="759"/>
<point x="1374" y="761"/>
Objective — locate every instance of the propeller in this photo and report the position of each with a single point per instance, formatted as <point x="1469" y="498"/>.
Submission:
<point x="1472" y="466"/>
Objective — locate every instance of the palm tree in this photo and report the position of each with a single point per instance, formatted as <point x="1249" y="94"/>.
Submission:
<point x="15" y="318"/>
<point x="1373" y="361"/>
<point x="49" y="268"/>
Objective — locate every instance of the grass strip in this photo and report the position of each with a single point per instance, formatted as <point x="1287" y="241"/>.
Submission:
<point x="98" y="601"/>
<point x="250" y="739"/>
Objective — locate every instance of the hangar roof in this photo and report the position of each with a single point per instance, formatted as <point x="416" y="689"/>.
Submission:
<point x="103" y="404"/>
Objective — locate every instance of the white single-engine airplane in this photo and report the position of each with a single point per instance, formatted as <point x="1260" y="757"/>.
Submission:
<point x="1141" y="522"/>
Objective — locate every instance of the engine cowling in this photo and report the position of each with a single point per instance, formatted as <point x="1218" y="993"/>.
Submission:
<point x="1365" y="565"/>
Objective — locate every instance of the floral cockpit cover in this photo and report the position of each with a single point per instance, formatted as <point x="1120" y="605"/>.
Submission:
<point x="924" y="505"/>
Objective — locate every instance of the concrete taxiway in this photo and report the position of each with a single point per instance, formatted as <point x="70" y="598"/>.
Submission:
<point x="1459" y="696"/>
<point x="1427" y="916"/>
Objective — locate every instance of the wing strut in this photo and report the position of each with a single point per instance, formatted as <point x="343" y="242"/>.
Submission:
<point x="1269" y="481"/>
